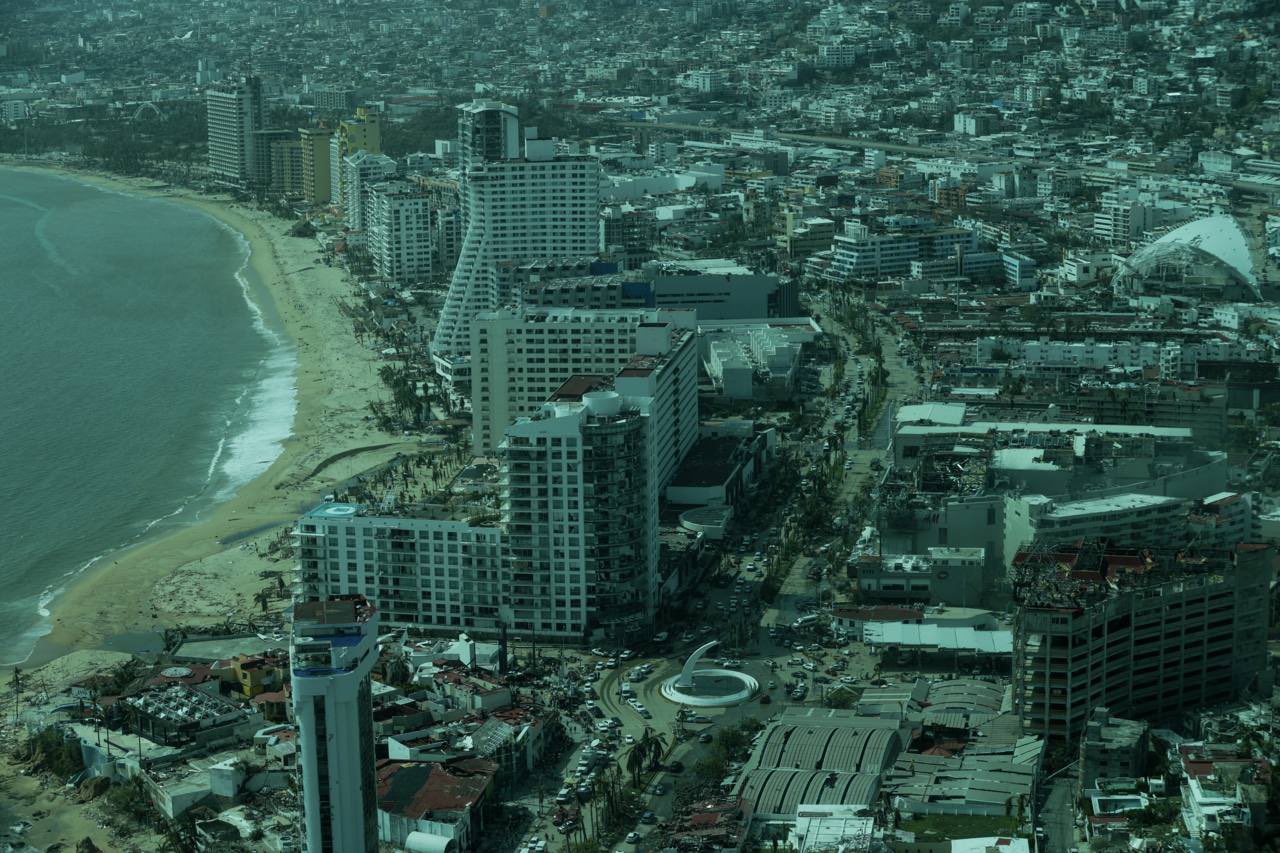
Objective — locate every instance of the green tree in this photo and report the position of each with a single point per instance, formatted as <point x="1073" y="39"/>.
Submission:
<point x="636" y="760"/>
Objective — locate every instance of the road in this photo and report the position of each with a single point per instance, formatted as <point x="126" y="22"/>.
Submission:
<point x="828" y="141"/>
<point x="1058" y="814"/>
<point x="735" y="611"/>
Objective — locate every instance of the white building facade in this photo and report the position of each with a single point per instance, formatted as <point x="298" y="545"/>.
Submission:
<point x="541" y="205"/>
<point x="580" y="518"/>
<point x="520" y="357"/>
<point x="400" y="232"/>
<point x="361" y="171"/>
<point x="235" y="113"/>
<point x="332" y="652"/>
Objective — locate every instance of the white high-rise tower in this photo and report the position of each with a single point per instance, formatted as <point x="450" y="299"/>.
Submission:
<point x="235" y="112"/>
<point x="332" y="651"/>
<point x="514" y="208"/>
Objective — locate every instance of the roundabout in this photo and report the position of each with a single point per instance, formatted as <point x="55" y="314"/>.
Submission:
<point x="708" y="688"/>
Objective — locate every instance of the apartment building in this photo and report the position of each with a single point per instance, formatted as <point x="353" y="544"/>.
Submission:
<point x="332" y="651"/>
<point x="428" y="568"/>
<point x="1112" y="747"/>
<point x="858" y="253"/>
<point x="1203" y="410"/>
<point x="315" y="164"/>
<point x="235" y="112"/>
<point x="362" y="132"/>
<point x="1146" y="633"/>
<point x="541" y="205"/>
<point x="361" y="171"/>
<point x="806" y="236"/>
<point x="838" y="55"/>
<point x="446" y="221"/>
<point x="580" y="519"/>
<point x="262" y="147"/>
<point x="1125" y="519"/>
<point x="334" y="99"/>
<point x="400" y="232"/>
<point x="285" y="164"/>
<point x="519" y="357"/>
<point x="568" y="550"/>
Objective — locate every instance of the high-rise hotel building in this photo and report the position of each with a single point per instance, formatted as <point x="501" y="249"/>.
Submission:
<point x="565" y="546"/>
<point x="315" y="164"/>
<point x="520" y="201"/>
<point x="234" y="114"/>
<point x="332" y="651"/>
<point x="520" y="356"/>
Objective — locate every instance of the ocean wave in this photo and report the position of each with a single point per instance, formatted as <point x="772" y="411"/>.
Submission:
<point x="260" y="426"/>
<point x="253" y="435"/>
<point x="266" y="421"/>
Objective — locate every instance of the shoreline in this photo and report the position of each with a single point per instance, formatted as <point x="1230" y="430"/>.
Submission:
<point x="210" y="570"/>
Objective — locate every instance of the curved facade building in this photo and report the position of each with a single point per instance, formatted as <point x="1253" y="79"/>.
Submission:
<point x="517" y="205"/>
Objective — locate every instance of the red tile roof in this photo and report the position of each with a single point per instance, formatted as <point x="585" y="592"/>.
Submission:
<point x="417" y="789"/>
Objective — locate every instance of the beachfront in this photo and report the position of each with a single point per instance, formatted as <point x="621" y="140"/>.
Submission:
<point x="210" y="572"/>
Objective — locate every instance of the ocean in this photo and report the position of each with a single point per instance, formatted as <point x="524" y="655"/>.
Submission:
<point x="143" y="377"/>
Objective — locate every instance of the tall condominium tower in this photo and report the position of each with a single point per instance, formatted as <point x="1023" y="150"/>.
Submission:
<point x="580" y="517"/>
<point x="400" y="231"/>
<point x="520" y="357"/>
<point x="362" y="132"/>
<point x="234" y="113"/>
<point x="571" y="549"/>
<point x="332" y="651"/>
<point x="538" y="205"/>
<point x="315" y="164"/>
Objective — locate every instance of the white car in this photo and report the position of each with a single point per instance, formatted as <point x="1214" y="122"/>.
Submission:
<point x="628" y="739"/>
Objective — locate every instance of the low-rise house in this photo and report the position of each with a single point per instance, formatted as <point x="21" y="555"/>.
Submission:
<point x="433" y="805"/>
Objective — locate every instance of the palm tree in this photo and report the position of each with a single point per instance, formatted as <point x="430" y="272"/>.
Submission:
<point x="655" y="744"/>
<point x="636" y="758"/>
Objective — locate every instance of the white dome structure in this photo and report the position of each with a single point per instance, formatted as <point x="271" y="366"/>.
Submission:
<point x="1211" y="252"/>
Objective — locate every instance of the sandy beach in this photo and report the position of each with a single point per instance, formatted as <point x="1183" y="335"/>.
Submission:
<point x="210" y="571"/>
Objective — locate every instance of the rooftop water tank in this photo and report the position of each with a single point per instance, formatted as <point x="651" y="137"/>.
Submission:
<point x="603" y="403"/>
